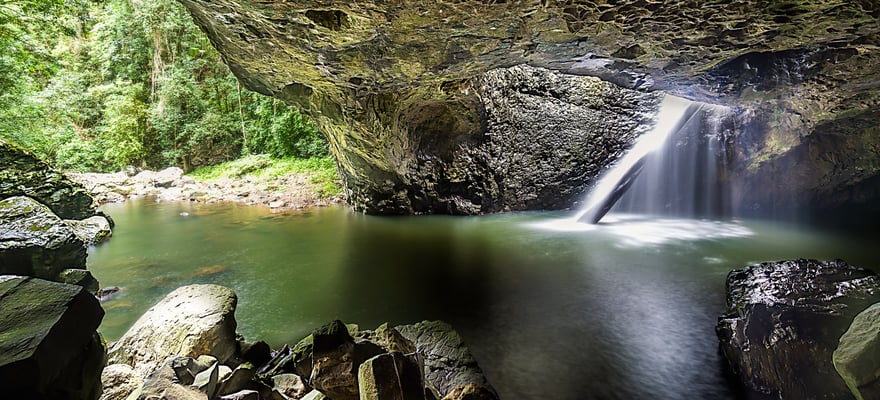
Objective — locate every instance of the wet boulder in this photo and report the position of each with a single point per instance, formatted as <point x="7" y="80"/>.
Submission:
<point x="190" y="321"/>
<point x="49" y="347"/>
<point x="35" y="242"/>
<point x="92" y="230"/>
<point x="784" y="320"/>
<point x="857" y="358"/>
<point x="449" y="365"/>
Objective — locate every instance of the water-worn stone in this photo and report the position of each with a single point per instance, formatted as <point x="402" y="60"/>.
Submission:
<point x="784" y="320"/>
<point x="49" y="347"/>
<point x="92" y="230"/>
<point x="35" y="242"/>
<point x="449" y="364"/>
<point x="190" y="321"/>
<point x="118" y="381"/>
<point x="23" y="174"/>
<point x="857" y="357"/>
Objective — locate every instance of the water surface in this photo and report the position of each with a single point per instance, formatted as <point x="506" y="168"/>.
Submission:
<point x="551" y="309"/>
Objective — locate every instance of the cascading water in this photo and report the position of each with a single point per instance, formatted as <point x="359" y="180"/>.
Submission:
<point x="675" y="169"/>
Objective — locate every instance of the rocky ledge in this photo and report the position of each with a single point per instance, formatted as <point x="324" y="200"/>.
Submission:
<point x="185" y="347"/>
<point x="783" y="323"/>
<point x="424" y="113"/>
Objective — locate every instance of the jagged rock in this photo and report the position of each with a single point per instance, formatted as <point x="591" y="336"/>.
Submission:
<point x="335" y="359"/>
<point x="857" y="357"/>
<point x="35" y="242"/>
<point x="49" y="348"/>
<point x="390" y="339"/>
<point x="449" y="364"/>
<point x="23" y="174"/>
<point x="79" y="277"/>
<point x="163" y="384"/>
<point x="208" y="381"/>
<point x="392" y="376"/>
<point x="190" y="321"/>
<point x="238" y="379"/>
<point x="119" y="381"/>
<point x="784" y="320"/>
<point x="92" y="230"/>
<point x="289" y="385"/>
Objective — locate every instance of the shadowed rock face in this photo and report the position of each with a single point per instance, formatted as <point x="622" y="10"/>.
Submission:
<point x="784" y="320"/>
<point x="399" y="87"/>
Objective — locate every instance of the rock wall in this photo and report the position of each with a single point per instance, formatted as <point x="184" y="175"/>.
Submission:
<point x="398" y="87"/>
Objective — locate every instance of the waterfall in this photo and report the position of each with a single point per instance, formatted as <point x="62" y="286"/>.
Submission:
<point x="675" y="169"/>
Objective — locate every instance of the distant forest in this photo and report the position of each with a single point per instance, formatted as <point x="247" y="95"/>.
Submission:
<point x="100" y="85"/>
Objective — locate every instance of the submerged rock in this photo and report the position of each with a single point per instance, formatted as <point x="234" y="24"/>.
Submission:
<point x="784" y="320"/>
<point x="49" y="348"/>
<point x="190" y="321"/>
<point x="35" y="242"/>
<point x="857" y="358"/>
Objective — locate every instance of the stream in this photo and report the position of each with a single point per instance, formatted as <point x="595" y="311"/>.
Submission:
<point x="551" y="309"/>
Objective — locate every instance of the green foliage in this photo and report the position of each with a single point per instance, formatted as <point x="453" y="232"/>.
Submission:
<point x="321" y="170"/>
<point x="99" y="85"/>
<point x="283" y="132"/>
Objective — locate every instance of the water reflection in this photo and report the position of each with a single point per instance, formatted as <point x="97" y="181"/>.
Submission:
<point x="621" y="310"/>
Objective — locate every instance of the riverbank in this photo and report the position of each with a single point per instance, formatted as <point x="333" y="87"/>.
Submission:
<point x="255" y="180"/>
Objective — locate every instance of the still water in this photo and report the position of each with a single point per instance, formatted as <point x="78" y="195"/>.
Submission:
<point x="551" y="309"/>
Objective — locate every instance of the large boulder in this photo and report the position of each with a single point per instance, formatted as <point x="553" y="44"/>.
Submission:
<point x="23" y="174"/>
<point x="857" y="358"/>
<point x="36" y="242"/>
<point x="190" y="321"/>
<point x="449" y="365"/>
<point x="49" y="347"/>
<point x="784" y="320"/>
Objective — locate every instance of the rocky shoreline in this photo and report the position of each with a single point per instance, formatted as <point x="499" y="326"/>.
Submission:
<point x="186" y="347"/>
<point x="290" y="192"/>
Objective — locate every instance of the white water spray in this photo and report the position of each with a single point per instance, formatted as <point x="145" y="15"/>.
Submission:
<point x="615" y="180"/>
